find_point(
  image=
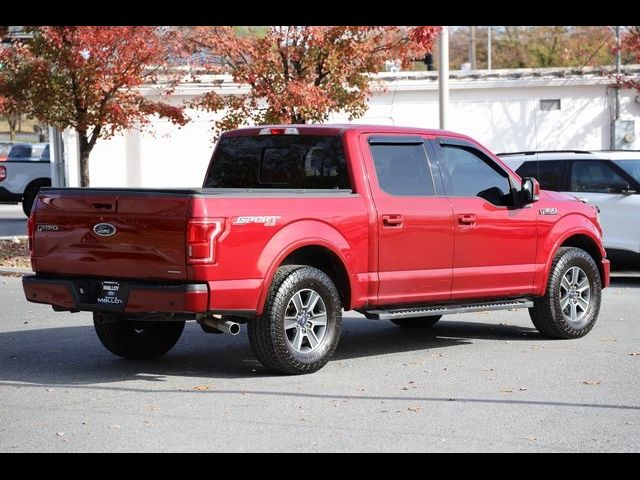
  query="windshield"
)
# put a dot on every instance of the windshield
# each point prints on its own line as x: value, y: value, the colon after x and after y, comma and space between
x: 632, y: 167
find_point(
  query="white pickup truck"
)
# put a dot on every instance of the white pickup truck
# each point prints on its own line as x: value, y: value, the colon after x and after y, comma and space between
x: 26, y: 169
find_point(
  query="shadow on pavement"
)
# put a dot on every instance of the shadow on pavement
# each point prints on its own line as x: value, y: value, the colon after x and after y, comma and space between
x: 73, y: 355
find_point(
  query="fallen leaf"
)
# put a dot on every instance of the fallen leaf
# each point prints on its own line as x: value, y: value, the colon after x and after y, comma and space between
x: 201, y: 388
x: 60, y: 434
x: 405, y: 388
x: 635, y: 354
x: 522, y: 389
x: 609, y: 339
x: 415, y: 408
x: 506, y: 390
x: 591, y: 382
x: 361, y: 389
x: 114, y: 427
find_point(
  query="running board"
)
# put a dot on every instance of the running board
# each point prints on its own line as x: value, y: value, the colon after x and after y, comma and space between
x: 448, y: 309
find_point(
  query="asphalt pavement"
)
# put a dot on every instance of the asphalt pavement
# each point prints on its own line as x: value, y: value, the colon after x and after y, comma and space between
x: 475, y: 382
x: 13, y: 222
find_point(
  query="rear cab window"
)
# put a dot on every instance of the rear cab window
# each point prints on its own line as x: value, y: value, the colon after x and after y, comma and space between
x: 303, y: 162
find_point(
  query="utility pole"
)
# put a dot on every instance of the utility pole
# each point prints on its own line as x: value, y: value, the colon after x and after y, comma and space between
x: 488, y: 48
x: 618, y: 72
x: 472, y: 48
x: 616, y: 94
x: 443, y: 75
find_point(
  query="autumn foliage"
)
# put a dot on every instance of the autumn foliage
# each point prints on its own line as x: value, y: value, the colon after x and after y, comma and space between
x: 15, y: 82
x: 300, y: 74
x: 631, y: 46
x: 87, y: 78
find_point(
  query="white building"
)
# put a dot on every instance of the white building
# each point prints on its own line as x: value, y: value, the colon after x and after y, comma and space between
x: 506, y: 110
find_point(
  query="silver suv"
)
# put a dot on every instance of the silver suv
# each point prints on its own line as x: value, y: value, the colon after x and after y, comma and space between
x: 607, y: 179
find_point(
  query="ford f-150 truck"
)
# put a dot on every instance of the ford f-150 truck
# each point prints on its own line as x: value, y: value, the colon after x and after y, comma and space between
x: 295, y: 223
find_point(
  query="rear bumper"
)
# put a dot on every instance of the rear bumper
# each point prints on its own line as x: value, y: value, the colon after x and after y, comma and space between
x: 136, y: 297
x: 7, y: 196
x: 606, y: 272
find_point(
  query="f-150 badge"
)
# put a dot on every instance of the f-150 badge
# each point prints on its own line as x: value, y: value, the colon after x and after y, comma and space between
x: 266, y: 221
x: 548, y: 211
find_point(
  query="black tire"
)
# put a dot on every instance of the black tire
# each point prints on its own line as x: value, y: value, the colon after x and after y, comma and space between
x: 417, y: 322
x: 273, y: 345
x: 136, y: 340
x: 548, y: 316
x: 30, y: 196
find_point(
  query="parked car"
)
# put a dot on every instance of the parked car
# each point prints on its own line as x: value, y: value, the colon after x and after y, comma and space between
x: 295, y: 223
x: 608, y: 179
x: 26, y: 170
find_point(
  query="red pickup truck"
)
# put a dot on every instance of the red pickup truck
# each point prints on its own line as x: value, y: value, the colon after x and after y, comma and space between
x: 295, y: 223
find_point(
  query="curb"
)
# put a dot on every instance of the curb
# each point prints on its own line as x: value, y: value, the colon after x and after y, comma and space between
x: 19, y: 271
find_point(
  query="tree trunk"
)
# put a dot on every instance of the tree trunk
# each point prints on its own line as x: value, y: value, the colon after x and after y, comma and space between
x: 12, y: 120
x: 85, y: 149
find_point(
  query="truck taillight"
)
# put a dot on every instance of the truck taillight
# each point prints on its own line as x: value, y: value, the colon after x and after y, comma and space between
x: 31, y: 224
x: 201, y: 239
x: 3, y: 173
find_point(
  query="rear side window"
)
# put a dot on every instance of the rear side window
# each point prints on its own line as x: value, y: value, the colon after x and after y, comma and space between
x: 402, y: 170
x: 549, y: 174
x: 279, y: 161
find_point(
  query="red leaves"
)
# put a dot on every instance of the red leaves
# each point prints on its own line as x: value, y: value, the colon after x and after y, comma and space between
x: 87, y: 76
x: 301, y: 74
x: 631, y: 47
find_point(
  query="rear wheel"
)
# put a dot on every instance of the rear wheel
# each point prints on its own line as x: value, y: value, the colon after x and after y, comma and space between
x: 571, y: 304
x: 417, y: 322
x: 300, y: 327
x: 136, y: 340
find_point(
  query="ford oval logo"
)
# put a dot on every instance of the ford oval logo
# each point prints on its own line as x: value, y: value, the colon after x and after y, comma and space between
x: 104, y: 229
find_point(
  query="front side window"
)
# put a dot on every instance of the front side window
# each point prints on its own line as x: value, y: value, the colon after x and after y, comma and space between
x: 473, y: 176
x: 402, y: 169
x: 593, y: 176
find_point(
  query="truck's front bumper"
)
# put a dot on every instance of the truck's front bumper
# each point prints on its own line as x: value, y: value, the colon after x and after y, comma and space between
x: 98, y: 295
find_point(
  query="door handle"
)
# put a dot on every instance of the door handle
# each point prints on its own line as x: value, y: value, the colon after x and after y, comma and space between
x: 394, y: 221
x: 467, y: 219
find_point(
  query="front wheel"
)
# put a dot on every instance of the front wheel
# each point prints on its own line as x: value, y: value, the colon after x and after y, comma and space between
x: 571, y: 304
x: 136, y: 340
x: 299, y: 329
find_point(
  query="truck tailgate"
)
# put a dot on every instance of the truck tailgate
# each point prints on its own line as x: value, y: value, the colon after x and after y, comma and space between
x: 120, y: 234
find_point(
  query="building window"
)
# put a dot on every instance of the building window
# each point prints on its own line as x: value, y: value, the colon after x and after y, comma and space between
x: 550, y: 104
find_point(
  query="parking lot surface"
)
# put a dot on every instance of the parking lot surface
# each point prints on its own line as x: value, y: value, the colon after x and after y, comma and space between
x: 475, y: 382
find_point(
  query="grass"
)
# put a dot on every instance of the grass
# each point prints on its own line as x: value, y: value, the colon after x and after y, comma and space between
x: 14, y: 253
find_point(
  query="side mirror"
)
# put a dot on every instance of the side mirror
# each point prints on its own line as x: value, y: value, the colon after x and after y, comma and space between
x: 529, y: 191
x: 620, y: 187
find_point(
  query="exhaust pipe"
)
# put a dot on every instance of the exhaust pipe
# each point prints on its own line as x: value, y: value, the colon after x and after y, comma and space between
x: 223, y: 326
